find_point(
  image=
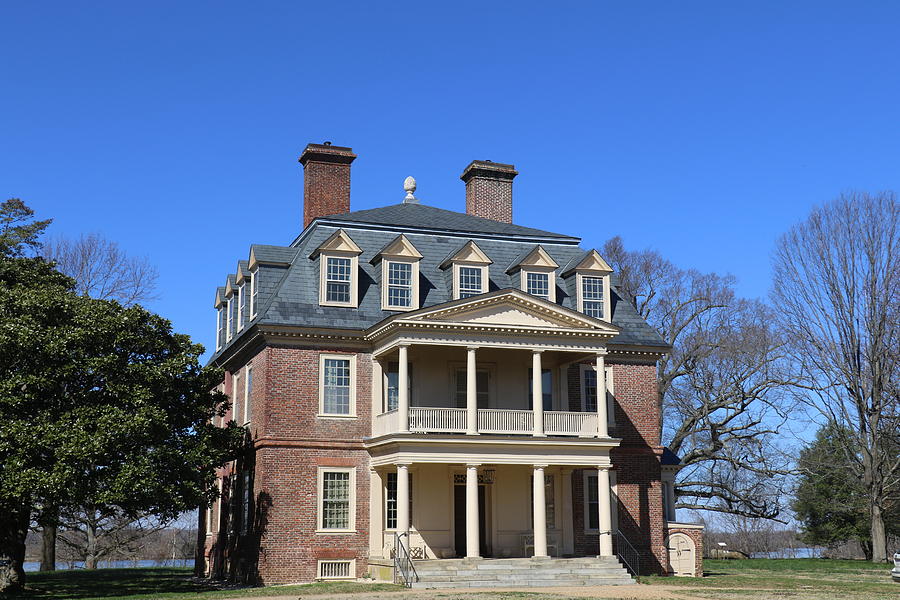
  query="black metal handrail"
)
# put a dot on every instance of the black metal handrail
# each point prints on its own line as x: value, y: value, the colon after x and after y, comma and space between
x: 628, y: 554
x: 404, y: 569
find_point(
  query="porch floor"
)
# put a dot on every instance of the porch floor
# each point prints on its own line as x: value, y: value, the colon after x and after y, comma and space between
x: 520, y: 572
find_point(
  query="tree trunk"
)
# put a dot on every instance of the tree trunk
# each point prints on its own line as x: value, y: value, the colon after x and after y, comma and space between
x: 13, y: 529
x: 48, y: 548
x: 90, y: 531
x: 879, y: 541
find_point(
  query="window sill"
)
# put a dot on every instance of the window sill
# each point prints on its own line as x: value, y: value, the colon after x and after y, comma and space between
x: 341, y: 304
x: 399, y: 308
x: 335, y: 531
x: 330, y: 416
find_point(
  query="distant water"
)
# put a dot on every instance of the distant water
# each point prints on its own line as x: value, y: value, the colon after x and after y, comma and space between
x: 116, y: 564
x: 790, y: 553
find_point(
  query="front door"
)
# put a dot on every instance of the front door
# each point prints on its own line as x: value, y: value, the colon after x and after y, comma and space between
x: 459, y: 520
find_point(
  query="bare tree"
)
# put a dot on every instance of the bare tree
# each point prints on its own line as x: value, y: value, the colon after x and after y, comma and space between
x: 98, y: 533
x: 101, y: 269
x: 721, y: 388
x: 837, y: 291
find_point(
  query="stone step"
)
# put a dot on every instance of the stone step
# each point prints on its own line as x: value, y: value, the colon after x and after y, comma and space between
x: 517, y: 577
x: 518, y: 573
x: 482, y: 583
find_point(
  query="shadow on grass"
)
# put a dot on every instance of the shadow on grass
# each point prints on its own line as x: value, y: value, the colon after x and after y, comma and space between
x: 101, y: 583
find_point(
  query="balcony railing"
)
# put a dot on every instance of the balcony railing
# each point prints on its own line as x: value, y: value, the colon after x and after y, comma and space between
x: 490, y: 420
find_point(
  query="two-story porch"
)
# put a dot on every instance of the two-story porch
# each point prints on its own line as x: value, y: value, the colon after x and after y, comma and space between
x: 474, y: 438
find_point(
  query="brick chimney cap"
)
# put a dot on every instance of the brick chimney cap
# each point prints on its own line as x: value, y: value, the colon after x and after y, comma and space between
x: 327, y: 153
x: 486, y: 168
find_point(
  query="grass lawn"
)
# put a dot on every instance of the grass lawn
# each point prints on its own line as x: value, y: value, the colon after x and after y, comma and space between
x: 802, y: 578
x: 149, y: 584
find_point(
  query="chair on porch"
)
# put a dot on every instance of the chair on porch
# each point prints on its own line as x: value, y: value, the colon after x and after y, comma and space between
x: 528, y: 543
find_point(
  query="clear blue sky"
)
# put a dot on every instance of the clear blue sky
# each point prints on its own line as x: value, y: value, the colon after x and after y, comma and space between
x: 701, y: 129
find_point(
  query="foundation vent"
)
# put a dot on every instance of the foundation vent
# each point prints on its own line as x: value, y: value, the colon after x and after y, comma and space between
x: 336, y: 569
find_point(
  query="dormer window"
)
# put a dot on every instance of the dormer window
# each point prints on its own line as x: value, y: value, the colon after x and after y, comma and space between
x: 220, y: 326
x: 537, y: 273
x: 338, y: 265
x: 470, y: 270
x: 399, y: 274
x: 241, y: 306
x: 254, y: 292
x: 592, y: 287
x: 470, y: 282
x: 229, y: 328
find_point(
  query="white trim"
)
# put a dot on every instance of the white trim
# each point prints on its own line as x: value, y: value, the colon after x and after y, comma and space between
x: 218, y: 528
x: 229, y: 320
x: 354, y: 277
x: 610, y: 391
x: 248, y: 382
x: 579, y: 292
x: 322, y: 358
x: 241, y: 307
x: 414, y: 283
x: 485, y: 285
x: 352, y: 500
x: 254, y: 292
x: 220, y: 327
x: 235, y: 398
x: 551, y: 281
x: 587, y: 474
x: 351, y: 569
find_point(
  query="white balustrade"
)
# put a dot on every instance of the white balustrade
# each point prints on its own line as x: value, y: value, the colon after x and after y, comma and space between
x: 490, y: 420
x: 499, y: 420
x: 583, y: 424
x: 438, y: 420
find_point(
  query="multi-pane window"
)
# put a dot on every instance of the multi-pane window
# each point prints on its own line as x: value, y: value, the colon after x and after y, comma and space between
x: 235, y: 400
x: 546, y: 389
x: 590, y: 390
x: 220, y: 327
x: 245, y: 503
x: 335, y: 500
x: 242, y: 303
x: 230, y: 325
x: 592, y: 296
x: 337, y: 279
x: 336, y: 386
x: 390, y: 502
x: 254, y: 292
x: 470, y: 283
x: 538, y: 284
x: 482, y: 389
x: 400, y: 284
x: 248, y: 389
x: 592, y: 503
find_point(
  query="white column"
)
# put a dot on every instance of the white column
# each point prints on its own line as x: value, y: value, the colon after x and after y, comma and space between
x: 472, y: 511
x: 537, y: 393
x: 376, y: 513
x: 403, y: 388
x: 540, y: 513
x: 403, y: 502
x: 471, y: 392
x: 568, y: 525
x: 602, y: 417
x: 378, y: 406
x: 606, y: 545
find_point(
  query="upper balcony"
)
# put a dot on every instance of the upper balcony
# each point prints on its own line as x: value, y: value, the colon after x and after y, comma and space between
x: 488, y: 420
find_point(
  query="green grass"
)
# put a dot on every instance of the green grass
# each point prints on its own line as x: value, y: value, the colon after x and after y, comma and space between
x: 806, y: 579
x: 168, y: 583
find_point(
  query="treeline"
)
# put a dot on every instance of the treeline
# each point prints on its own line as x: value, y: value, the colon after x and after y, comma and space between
x: 160, y: 545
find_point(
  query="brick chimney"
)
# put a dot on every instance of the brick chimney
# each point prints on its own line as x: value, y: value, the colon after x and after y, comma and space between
x: 489, y: 189
x: 326, y: 180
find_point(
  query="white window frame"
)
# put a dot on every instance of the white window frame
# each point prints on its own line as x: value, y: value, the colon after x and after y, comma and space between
x: 485, y: 285
x: 320, y: 478
x: 248, y: 383
x: 322, y: 358
x: 579, y: 292
x: 350, y: 561
x: 241, y: 307
x: 220, y: 327
x: 229, y: 320
x: 489, y: 368
x: 412, y: 490
x: 254, y: 291
x: 551, y: 282
x: 235, y: 397
x: 610, y: 392
x: 245, y: 502
x: 588, y: 475
x: 414, y: 284
x: 323, y: 281
x: 218, y: 528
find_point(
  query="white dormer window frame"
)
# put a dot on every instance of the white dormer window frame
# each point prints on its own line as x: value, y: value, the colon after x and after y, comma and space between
x: 460, y: 269
x: 584, y: 278
x: 241, y: 307
x: 229, y: 319
x: 220, y: 326
x: 254, y: 292
x: 393, y: 287
x: 540, y: 273
x: 338, y: 269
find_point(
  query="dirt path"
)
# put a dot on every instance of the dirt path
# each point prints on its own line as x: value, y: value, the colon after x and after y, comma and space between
x: 618, y: 592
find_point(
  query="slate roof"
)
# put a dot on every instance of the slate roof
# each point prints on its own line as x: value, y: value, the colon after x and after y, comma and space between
x: 669, y: 458
x: 290, y: 295
x: 422, y: 216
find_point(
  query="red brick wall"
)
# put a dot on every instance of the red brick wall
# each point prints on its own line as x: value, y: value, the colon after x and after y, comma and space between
x: 489, y: 198
x: 326, y: 180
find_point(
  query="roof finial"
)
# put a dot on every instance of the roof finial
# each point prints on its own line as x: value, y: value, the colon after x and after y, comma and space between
x: 409, y: 186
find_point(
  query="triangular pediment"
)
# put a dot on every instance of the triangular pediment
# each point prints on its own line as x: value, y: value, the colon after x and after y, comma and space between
x: 469, y: 253
x: 510, y: 308
x: 537, y: 258
x: 593, y: 262
x: 399, y: 247
x: 338, y: 241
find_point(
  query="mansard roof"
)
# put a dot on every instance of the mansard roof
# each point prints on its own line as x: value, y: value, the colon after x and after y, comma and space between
x: 289, y: 294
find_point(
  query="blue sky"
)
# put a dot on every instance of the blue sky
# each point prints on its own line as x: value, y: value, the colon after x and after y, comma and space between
x: 700, y: 129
